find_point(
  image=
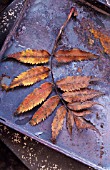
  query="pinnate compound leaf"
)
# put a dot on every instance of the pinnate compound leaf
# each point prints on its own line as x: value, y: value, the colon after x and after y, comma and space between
x: 57, y: 123
x: 30, y: 77
x: 65, y: 56
x: 72, y: 83
x: 35, y: 98
x: 70, y: 122
x: 45, y: 110
x: 81, y: 123
x: 81, y: 96
x: 77, y: 106
x: 31, y: 56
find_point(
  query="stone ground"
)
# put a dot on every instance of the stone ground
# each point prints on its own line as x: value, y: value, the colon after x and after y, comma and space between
x: 8, y: 161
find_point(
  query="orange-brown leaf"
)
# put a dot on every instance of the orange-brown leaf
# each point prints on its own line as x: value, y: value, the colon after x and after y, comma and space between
x: 72, y: 83
x: 30, y: 77
x: 45, y: 110
x: 70, y: 122
x: 81, y: 96
x: 77, y: 106
x: 35, y: 98
x: 31, y: 56
x: 82, y: 113
x: 57, y: 123
x: 81, y: 123
x: 65, y: 56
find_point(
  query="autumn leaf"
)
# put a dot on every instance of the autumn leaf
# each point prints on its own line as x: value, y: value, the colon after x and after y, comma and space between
x: 45, y: 110
x: 31, y: 56
x: 35, y: 98
x: 77, y: 106
x: 72, y: 83
x: 65, y: 56
x: 81, y: 96
x: 82, y: 123
x: 57, y: 123
x: 70, y: 122
x: 82, y: 113
x: 30, y: 77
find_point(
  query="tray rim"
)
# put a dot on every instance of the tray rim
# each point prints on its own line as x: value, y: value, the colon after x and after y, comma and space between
x: 52, y: 146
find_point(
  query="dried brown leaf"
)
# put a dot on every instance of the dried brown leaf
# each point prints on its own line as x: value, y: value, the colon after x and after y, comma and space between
x: 81, y: 123
x: 65, y: 56
x: 45, y: 110
x: 82, y: 113
x: 35, y: 98
x: 31, y: 56
x: 70, y: 122
x: 72, y: 83
x: 80, y: 96
x: 57, y: 123
x: 77, y: 106
x: 30, y: 77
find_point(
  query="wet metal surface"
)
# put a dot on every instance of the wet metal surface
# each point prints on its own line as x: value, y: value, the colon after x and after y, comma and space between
x: 8, y: 17
x: 38, y: 30
x: 8, y: 160
x: 4, y: 4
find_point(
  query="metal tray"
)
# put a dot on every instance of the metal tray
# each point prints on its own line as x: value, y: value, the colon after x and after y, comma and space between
x: 38, y: 30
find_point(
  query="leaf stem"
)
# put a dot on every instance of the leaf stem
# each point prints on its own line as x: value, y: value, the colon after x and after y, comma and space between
x: 73, y: 12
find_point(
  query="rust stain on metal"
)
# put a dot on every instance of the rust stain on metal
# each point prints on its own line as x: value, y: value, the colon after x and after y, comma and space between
x: 104, y: 39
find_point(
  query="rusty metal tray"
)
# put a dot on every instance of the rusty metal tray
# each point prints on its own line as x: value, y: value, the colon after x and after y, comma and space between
x: 38, y: 30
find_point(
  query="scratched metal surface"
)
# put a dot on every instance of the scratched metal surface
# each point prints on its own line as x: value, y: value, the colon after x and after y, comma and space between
x: 38, y: 30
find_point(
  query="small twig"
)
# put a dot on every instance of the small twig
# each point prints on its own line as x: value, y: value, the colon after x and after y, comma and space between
x: 73, y: 12
x: 14, y: 28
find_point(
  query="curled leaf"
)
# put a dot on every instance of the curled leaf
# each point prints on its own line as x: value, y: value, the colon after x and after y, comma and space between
x: 81, y: 96
x: 57, y: 123
x: 70, y: 122
x: 65, y: 56
x: 5, y: 82
x: 30, y: 77
x: 45, y: 110
x: 35, y: 98
x: 77, y: 106
x: 72, y: 83
x: 81, y: 123
x: 31, y: 56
